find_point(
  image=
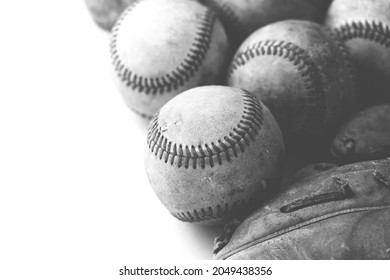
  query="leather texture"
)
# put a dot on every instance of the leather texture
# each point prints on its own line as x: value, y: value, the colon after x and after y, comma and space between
x: 312, y: 170
x: 160, y: 48
x: 243, y: 17
x: 211, y: 151
x: 366, y: 136
x: 364, y: 27
x: 106, y: 12
x: 304, y: 222
x: 301, y: 72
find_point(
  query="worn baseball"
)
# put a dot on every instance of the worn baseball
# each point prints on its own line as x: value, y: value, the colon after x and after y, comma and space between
x: 243, y: 17
x: 365, y: 136
x: 364, y: 26
x: 160, y: 48
x: 211, y: 152
x: 106, y: 12
x: 301, y: 73
x: 343, y: 213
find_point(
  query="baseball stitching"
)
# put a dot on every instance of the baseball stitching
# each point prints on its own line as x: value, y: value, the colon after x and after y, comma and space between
x: 345, y: 53
x: 231, y: 145
x: 301, y: 60
x: 208, y: 214
x: 229, y: 17
x: 371, y: 31
x: 183, y: 72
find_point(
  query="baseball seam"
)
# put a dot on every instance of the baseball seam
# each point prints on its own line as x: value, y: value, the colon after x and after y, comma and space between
x: 310, y: 75
x: 301, y: 225
x: 345, y: 53
x: 208, y: 214
x: 229, y: 18
x: 372, y: 31
x: 231, y: 145
x: 182, y: 73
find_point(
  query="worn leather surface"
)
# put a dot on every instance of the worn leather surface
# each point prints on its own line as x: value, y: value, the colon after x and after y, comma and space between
x: 245, y: 16
x: 106, y: 12
x: 357, y: 227
x: 365, y: 136
x: 300, y: 72
x: 210, y: 188
x: 161, y: 48
x: 364, y: 27
x: 312, y: 170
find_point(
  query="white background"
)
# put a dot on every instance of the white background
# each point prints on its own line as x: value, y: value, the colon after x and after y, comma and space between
x: 73, y: 189
x: 75, y: 202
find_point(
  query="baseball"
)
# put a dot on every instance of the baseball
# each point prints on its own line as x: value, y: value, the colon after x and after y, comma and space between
x: 106, y: 12
x: 364, y: 26
x: 160, y: 48
x: 300, y: 72
x: 243, y: 17
x: 365, y: 136
x: 211, y: 152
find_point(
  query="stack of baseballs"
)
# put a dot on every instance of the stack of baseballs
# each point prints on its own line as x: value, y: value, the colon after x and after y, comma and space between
x: 241, y: 93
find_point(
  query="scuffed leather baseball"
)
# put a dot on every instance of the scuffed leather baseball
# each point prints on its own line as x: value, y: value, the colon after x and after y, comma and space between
x: 160, y: 48
x: 364, y: 27
x: 301, y: 72
x: 106, y: 12
x: 365, y: 136
x: 211, y: 152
